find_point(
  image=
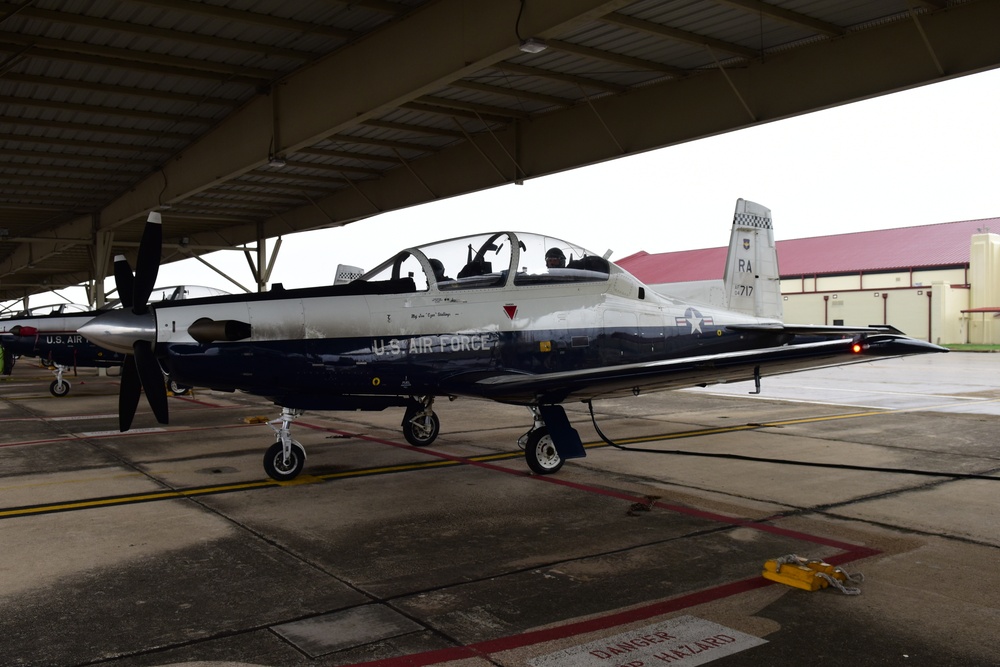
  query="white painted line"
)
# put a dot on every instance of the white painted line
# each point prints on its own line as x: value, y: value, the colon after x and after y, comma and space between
x: 97, y: 434
x: 79, y: 417
x: 686, y: 640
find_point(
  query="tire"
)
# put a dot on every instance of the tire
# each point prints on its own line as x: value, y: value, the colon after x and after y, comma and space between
x: 275, y: 466
x: 540, y: 453
x: 424, y: 431
x: 59, y: 389
x: 177, y: 389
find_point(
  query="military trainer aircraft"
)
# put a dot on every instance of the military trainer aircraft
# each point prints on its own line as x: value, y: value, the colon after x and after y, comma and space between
x: 519, y: 318
x: 52, y: 337
x: 50, y: 334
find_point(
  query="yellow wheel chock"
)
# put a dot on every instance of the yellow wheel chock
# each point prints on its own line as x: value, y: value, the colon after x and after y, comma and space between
x: 809, y: 575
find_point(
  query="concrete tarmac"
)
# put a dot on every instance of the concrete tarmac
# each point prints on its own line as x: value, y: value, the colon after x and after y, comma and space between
x: 168, y: 545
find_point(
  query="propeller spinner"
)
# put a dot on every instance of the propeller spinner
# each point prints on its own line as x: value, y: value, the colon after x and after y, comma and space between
x: 132, y: 330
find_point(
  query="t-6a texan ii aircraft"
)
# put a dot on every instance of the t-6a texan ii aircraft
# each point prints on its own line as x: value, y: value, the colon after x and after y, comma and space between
x: 519, y: 318
x: 50, y: 334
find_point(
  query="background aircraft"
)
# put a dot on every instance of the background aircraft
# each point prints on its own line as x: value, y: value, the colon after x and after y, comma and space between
x: 50, y: 334
x: 515, y: 324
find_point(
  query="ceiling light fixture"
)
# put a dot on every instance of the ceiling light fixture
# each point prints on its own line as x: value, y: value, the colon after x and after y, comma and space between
x: 533, y: 45
x: 276, y: 161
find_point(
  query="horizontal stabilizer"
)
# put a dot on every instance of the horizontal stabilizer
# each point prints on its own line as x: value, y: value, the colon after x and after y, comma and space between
x: 814, y: 329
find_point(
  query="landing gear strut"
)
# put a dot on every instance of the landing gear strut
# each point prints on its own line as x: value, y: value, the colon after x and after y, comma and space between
x: 284, y: 460
x: 59, y: 387
x: 420, y: 424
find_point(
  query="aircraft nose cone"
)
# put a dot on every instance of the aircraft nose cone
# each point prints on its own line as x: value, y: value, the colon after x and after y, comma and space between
x: 118, y: 330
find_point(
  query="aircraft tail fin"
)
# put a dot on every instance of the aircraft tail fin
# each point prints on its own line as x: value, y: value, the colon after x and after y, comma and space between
x: 751, y: 278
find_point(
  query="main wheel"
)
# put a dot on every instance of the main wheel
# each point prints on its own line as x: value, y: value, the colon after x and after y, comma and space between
x: 540, y: 453
x: 58, y: 388
x: 420, y: 431
x: 277, y: 468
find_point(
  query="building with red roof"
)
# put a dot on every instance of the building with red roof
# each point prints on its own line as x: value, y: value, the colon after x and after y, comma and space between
x: 938, y: 282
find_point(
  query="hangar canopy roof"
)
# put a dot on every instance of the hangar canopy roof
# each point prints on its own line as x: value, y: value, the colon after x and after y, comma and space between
x: 248, y: 119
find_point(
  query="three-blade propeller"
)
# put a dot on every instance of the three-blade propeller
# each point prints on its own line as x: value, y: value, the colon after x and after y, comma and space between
x: 141, y: 371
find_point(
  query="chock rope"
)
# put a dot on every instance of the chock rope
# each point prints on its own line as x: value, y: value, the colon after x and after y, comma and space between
x: 759, y: 459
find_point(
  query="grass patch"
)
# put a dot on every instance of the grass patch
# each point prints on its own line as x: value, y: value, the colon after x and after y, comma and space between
x: 973, y: 347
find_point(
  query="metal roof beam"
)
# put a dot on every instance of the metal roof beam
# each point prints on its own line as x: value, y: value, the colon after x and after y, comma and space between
x: 76, y: 157
x: 310, y: 106
x: 382, y: 143
x: 867, y: 63
x: 124, y: 27
x: 617, y: 58
x: 46, y: 47
x: 583, y: 82
x: 89, y: 127
x: 206, y: 9
x: 445, y: 106
x: 34, y: 139
x: 787, y: 16
x: 131, y: 91
x: 415, y: 129
x: 349, y: 155
x: 466, y: 110
x: 105, y: 111
x: 659, y: 30
x: 514, y: 92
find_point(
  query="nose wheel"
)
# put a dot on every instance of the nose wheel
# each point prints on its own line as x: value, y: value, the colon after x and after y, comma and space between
x: 282, y: 467
x: 60, y: 386
x: 283, y: 461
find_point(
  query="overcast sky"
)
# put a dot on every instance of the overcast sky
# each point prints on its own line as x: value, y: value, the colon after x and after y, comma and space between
x: 918, y: 157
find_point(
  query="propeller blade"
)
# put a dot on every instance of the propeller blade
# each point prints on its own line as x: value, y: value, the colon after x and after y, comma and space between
x: 124, y: 280
x: 128, y: 395
x: 147, y: 265
x: 152, y: 379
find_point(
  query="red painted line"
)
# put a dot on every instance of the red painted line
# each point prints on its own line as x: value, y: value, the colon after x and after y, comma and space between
x: 850, y: 552
x: 126, y: 434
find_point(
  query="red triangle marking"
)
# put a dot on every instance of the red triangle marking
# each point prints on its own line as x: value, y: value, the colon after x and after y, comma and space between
x: 511, y: 310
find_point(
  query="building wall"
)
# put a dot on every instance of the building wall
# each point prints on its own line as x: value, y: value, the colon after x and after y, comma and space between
x: 926, y: 304
x: 873, y: 281
x: 984, y: 275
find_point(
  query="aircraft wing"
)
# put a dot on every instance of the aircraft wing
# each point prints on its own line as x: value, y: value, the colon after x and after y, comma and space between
x: 610, y: 381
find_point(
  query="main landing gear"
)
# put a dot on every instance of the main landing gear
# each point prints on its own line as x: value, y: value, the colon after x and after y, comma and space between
x: 285, y: 459
x: 547, y: 445
x: 550, y: 441
x: 420, y: 424
x: 539, y: 450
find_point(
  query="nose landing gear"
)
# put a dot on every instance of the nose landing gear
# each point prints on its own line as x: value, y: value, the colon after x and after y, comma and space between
x: 60, y: 386
x: 284, y: 460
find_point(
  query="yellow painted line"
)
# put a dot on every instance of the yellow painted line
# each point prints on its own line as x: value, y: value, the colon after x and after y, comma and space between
x: 112, y: 501
x: 741, y: 427
x: 426, y: 465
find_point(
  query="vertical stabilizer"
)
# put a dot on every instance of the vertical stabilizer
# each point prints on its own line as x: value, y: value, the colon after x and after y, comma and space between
x: 751, y: 278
